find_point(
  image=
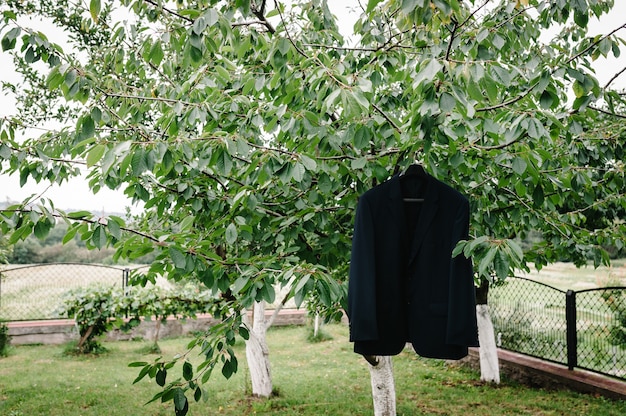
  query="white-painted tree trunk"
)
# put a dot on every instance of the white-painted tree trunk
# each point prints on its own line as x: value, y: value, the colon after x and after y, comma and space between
x: 316, y: 325
x: 489, y: 367
x: 383, y: 387
x: 257, y: 353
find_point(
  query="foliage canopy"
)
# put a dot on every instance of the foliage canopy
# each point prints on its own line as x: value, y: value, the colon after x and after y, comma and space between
x: 247, y: 129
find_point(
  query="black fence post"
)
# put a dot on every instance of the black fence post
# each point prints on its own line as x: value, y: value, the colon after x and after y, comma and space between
x: 570, y: 322
x: 125, y: 275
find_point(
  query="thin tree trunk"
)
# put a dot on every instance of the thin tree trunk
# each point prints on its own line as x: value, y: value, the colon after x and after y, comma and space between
x: 157, y: 328
x: 257, y: 350
x: 383, y: 387
x: 84, y: 338
x: 489, y: 365
x: 316, y: 325
x: 257, y: 353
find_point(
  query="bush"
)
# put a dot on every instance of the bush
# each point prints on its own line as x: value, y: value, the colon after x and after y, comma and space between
x: 98, y: 309
x: 95, y: 309
x: 5, y: 339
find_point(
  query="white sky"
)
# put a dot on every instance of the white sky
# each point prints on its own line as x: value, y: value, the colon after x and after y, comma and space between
x: 76, y: 195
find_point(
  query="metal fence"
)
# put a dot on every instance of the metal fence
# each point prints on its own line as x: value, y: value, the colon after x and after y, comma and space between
x: 35, y: 292
x: 584, y: 329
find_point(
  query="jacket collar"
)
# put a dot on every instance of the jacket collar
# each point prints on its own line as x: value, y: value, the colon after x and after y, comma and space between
x: 413, y: 238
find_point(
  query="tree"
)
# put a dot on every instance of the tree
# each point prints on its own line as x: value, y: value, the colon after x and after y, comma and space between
x: 249, y: 128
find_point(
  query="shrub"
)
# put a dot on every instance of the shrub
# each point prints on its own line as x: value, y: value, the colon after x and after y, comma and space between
x: 5, y: 339
x: 94, y: 309
x: 98, y: 309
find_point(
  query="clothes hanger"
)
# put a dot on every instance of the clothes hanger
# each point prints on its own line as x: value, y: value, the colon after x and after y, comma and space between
x: 414, y: 170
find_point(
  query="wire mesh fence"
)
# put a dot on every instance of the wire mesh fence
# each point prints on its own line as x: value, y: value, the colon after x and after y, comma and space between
x: 601, y: 330
x: 584, y: 329
x: 35, y: 292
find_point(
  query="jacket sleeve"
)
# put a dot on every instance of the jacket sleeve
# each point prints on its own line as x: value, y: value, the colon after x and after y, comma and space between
x: 362, y: 280
x: 462, y: 328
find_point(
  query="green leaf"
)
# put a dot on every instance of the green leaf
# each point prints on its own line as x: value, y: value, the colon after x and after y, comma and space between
x: 99, y: 236
x: 231, y: 234
x: 579, y: 89
x: 284, y: 45
x: 516, y: 250
x: 41, y: 229
x: 362, y: 137
x: 486, y: 261
x: 187, y: 222
x: 501, y: 265
x: 114, y: 229
x: 138, y: 364
x: 308, y: 163
x: 181, y: 406
x: 230, y: 367
x: 519, y: 165
x: 223, y: 162
x: 358, y: 163
x: 469, y: 248
x: 138, y: 162
x: 546, y: 100
x: 144, y: 372
x: 197, y: 394
x: 94, y: 9
x: 446, y: 102
x: 581, y: 18
x: 88, y: 127
x: 243, y: 331
x: 161, y: 376
x: 211, y: 16
x: 156, y: 54
x: 458, y: 249
x: 240, y: 283
x: 9, y: 40
x: 69, y: 236
x: 428, y: 72
x: 187, y: 371
x: 178, y: 257
x: 409, y: 5
x: 298, y: 172
x: 371, y: 4
x: 79, y: 215
x: 95, y: 154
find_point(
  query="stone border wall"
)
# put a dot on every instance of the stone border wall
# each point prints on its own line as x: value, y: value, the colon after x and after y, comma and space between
x: 63, y: 331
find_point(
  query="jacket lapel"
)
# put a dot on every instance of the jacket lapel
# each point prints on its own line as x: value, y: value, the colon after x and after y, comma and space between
x: 426, y: 216
x: 396, y: 208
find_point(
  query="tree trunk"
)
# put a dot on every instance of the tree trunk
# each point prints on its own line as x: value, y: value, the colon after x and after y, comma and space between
x: 316, y: 325
x: 257, y: 353
x: 489, y: 367
x: 383, y: 387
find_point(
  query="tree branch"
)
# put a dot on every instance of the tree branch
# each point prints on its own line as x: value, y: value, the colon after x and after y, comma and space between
x: 172, y: 12
x: 277, y: 310
x: 594, y: 44
x: 614, y: 77
x: 600, y: 110
x: 260, y: 14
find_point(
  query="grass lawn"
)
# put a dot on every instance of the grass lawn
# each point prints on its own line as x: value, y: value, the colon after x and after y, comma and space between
x: 324, y: 378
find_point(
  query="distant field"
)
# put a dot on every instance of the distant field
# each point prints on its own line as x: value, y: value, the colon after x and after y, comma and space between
x: 566, y: 276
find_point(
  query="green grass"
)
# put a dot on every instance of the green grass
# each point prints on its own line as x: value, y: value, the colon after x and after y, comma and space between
x: 323, y: 378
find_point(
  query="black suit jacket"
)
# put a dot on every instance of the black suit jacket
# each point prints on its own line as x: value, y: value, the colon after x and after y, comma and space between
x: 404, y: 284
